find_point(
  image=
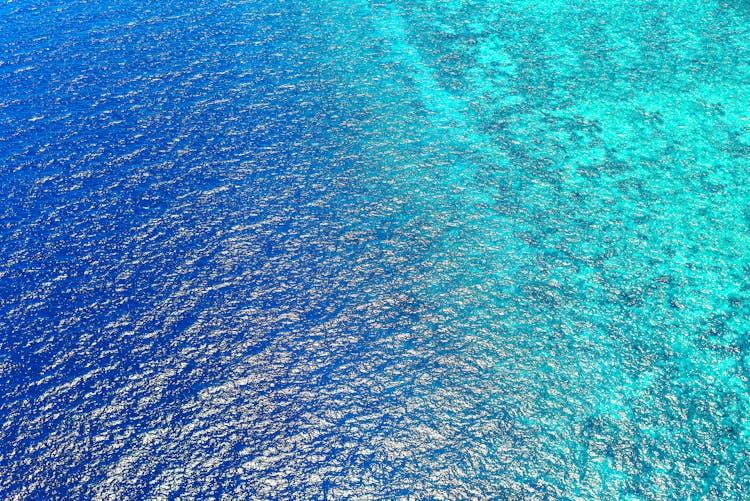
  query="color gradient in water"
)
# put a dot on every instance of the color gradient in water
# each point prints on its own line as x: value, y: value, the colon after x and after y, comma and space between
x: 375, y: 250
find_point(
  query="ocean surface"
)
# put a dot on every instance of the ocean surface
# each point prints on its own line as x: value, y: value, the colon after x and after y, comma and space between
x: 480, y: 249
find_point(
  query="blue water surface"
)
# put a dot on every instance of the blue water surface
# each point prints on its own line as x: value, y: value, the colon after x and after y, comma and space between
x: 356, y: 250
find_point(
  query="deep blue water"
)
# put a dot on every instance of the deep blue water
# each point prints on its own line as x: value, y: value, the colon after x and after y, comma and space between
x: 355, y: 250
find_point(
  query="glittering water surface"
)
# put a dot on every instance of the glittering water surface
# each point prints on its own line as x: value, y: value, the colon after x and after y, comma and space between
x: 404, y: 249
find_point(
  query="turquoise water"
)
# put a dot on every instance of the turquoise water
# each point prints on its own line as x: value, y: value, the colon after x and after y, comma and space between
x: 582, y: 171
x: 375, y: 250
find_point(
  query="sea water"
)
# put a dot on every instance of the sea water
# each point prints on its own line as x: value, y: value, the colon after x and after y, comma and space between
x: 374, y: 250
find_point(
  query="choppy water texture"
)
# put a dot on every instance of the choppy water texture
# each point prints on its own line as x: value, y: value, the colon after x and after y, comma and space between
x: 348, y: 249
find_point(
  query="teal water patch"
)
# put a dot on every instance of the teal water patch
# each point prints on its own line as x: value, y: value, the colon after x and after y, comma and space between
x: 593, y: 252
